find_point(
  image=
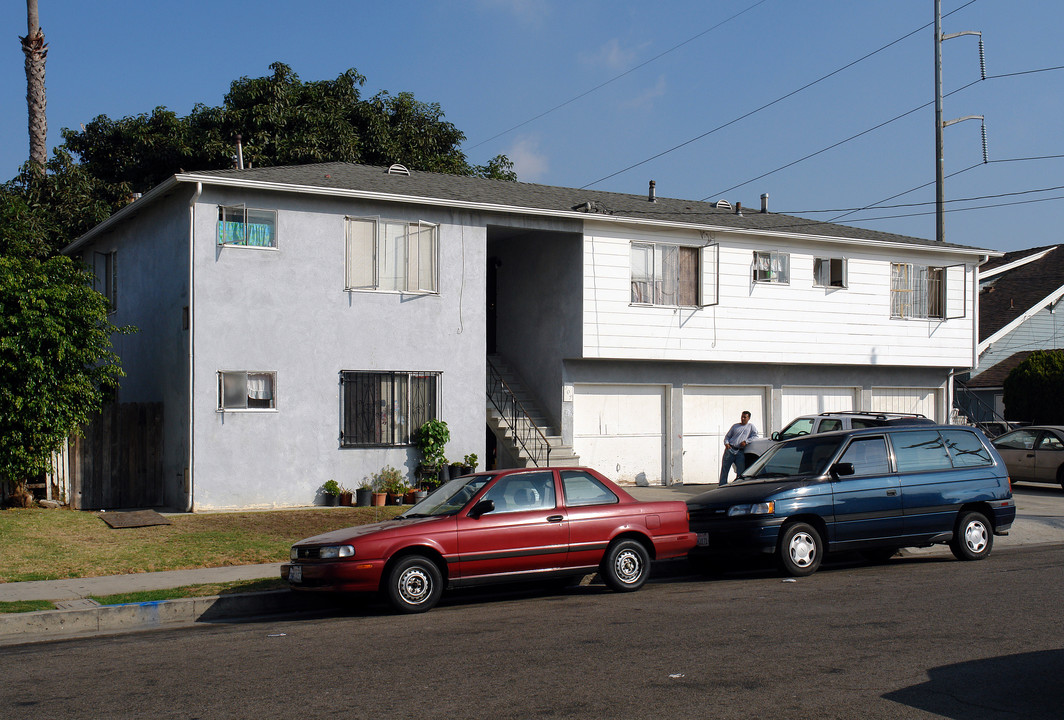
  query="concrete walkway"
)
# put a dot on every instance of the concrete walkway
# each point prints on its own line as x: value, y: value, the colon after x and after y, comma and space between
x: 1040, y: 521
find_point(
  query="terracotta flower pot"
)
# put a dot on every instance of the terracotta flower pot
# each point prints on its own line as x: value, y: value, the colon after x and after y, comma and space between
x: 379, y: 498
x: 345, y: 498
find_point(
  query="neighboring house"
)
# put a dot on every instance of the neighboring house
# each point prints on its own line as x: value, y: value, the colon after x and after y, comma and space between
x: 298, y: 323
x: 1018, y: 297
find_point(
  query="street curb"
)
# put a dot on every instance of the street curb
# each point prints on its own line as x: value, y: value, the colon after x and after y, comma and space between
x: 45, y: 625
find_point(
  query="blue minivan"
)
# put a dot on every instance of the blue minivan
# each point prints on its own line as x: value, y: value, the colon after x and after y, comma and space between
x: 874, y: 490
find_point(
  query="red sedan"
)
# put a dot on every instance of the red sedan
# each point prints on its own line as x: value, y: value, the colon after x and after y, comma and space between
x: 499, y: 526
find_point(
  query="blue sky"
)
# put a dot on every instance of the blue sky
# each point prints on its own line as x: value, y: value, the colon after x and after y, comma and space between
x: 633, y: 80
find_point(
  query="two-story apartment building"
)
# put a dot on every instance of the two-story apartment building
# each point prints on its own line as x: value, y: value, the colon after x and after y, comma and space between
x: 298, y: 323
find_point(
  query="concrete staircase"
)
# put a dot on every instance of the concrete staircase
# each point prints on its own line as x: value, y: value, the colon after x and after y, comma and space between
x: 520, y: 426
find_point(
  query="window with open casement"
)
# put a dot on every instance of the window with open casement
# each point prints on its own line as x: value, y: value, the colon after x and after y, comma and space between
x: 241, y: 226
x: 673, y: 275
x: 392, y: 255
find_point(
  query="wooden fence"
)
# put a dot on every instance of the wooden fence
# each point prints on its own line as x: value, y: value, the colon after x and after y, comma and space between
x: 118, y: 462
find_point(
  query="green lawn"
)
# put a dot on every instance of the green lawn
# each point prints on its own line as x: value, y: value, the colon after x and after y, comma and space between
x: 39, y: 544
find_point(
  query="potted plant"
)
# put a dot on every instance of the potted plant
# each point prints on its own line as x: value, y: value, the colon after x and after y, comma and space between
x: 330, y: 489
x: 389, y: 481
x: 379, y: 483
x: 364, y: 493
x: 345, y: 496
x: 431, y: 439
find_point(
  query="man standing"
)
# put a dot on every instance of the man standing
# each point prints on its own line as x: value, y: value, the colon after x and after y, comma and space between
x: 734, y: 442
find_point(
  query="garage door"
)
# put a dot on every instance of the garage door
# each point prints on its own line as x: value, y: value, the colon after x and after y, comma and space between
x: 906, y: 400
x: 620, y: 430
x: 708, y: 412
x: 812, y: 400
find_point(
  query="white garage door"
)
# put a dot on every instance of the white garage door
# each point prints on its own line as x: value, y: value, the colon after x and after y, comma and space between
x: 906, y: 400
x: 813, y: 400
x: 708, y: 412
x: 620, y: 430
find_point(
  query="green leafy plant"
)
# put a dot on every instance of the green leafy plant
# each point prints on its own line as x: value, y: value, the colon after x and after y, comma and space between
x: 431, y: 440
x: 470, y: 461
x: 331, y: 487
x: 1034, y: 387
x: 389, y: 479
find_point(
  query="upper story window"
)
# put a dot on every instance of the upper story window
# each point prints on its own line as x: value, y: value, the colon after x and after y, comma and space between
x: 392, y: 255
x: 664, y: 274
x: 105, y: 276
x: 829, y: 272
x: 385, y: 408
x: 772, y: 267
x: 246, y: 390
x: 917, y: 291
x: 243, y: 226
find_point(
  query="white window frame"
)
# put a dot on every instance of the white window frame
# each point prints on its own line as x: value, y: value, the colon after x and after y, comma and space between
x: 918, y: 292
x: 647, y: 290
x: 241, y: 214
x: 829, y: 272
x: 772, y: 266
x: 241, y: 382
x: 419, y: 273
x: 105, y: 277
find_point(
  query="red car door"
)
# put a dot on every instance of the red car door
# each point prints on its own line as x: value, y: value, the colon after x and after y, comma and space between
x: 594, y: 513
x: 526, y: 532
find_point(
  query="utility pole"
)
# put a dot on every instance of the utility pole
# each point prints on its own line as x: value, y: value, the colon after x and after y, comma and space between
x: 940, y: 125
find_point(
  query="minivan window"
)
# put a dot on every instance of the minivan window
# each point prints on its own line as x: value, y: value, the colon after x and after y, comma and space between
x: 856, y: 423
x: 868, y: 455
x: 829, y: 424
x: 965, y: 449
x: 920, y: 451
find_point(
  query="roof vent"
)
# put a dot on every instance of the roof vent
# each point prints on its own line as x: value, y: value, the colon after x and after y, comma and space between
x: 722, y: 204
x: 764, y: 202
x: 653, y: 195
x: 398, y: 169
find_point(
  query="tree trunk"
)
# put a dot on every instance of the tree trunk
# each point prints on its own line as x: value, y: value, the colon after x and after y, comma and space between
x: 36, y: 50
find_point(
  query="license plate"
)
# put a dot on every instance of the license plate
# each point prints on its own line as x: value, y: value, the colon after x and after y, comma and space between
x: 703, y: 539
x: 295, y: 574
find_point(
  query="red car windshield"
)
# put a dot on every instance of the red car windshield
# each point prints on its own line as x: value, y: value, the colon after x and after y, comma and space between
x: 450, y: 498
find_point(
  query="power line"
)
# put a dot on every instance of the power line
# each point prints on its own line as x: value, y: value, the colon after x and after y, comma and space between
x: 618, y: 77
x: 770, y: 104
x: 875, y: 127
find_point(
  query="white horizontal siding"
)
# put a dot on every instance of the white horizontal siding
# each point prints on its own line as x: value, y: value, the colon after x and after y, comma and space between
x: 768, y: 322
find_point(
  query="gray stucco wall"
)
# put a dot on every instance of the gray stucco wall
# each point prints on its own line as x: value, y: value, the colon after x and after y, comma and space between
x: 285, y: 310
x: 152, y: 289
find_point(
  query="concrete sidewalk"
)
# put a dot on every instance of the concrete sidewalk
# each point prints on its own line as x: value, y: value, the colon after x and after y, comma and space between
x: 1041, y: 523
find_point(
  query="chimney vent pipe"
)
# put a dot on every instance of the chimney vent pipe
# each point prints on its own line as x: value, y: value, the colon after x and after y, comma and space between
x: 653, y: 196
x: 764, y: 202
x: 739, y: 209
x: 239, y: 153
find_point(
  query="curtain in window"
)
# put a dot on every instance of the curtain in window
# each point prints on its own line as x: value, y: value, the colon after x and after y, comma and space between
x: 260, y: 386
x: 687, y: 291
x: 641, y: 260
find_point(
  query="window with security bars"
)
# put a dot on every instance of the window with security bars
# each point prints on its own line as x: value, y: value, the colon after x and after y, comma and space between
x: 917, y: 291
x: 386, y: 408
x: 664, y: 274
x: 392, y: 255
x: 242, y: 226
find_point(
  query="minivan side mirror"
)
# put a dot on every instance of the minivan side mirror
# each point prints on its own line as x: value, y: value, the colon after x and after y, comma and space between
x: 839, y: 469
x: 776, y: 436
x: 482, y: 507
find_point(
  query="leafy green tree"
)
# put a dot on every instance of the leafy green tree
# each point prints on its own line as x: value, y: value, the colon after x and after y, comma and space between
x: 1034, y: 388
x: 282, y: 121
x: 56, y: 363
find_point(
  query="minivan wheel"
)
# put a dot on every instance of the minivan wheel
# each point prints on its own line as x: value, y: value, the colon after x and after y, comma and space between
x: 626, y: 566
x: 800, y: 549
x: 973, y: 537
x: 414, y: 585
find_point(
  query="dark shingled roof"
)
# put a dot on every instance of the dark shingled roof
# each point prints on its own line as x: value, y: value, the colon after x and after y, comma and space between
x: 1011, y: 257
x: 1007, y: 296
x: 994, y: 376
x: 458, y: 188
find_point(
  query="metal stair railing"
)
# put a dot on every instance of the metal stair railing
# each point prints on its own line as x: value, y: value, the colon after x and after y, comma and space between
x: 974, y: 401
x: 524, y: 430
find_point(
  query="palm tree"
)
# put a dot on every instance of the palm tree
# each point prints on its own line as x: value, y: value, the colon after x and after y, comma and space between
x: 36, y: 51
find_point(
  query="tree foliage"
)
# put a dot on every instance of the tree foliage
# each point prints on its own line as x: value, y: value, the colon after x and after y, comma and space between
x: 282, y: 121
x: 1034, y: 387
x: 56, y: 362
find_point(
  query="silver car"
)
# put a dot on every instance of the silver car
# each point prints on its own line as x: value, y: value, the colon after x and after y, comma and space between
x: 1034, y: 454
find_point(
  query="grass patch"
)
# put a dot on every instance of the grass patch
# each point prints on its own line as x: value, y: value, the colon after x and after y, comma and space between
x: 208, y: 590
x: 22, y: 606
x: 40, y: 544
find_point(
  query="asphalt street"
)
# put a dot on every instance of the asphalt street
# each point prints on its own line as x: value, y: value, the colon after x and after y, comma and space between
x: 919, y: 637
